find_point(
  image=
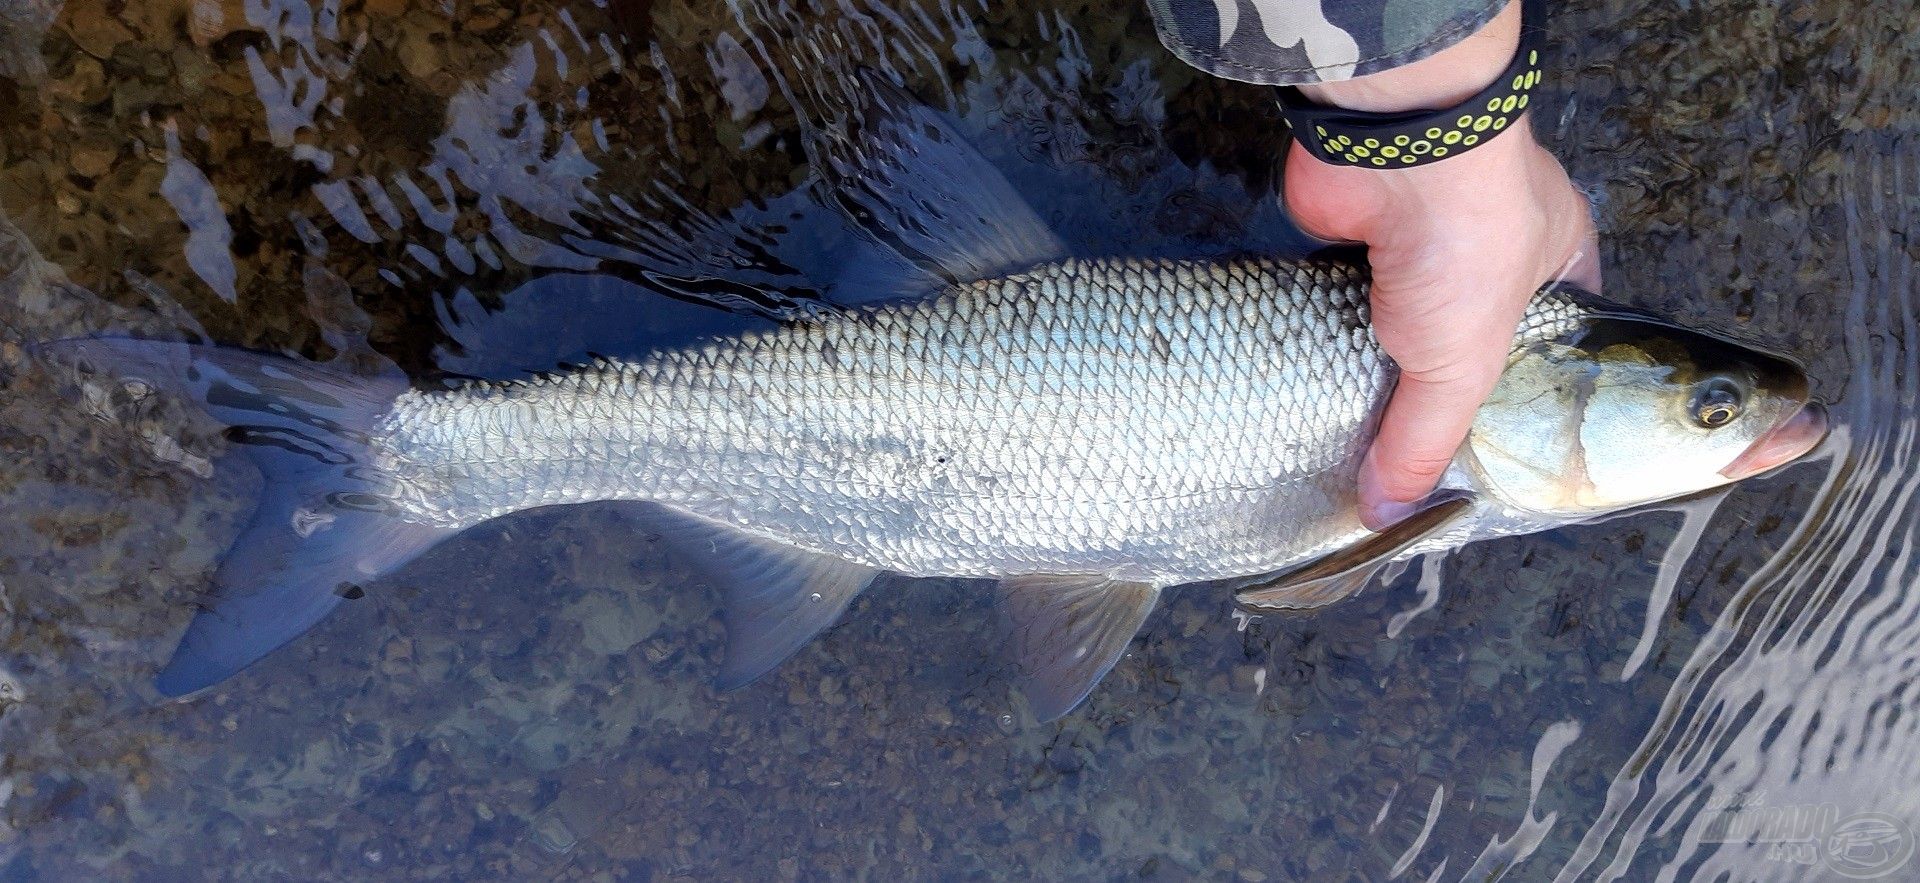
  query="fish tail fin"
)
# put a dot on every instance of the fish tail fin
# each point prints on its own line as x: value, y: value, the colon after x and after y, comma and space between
x: 323, y: 523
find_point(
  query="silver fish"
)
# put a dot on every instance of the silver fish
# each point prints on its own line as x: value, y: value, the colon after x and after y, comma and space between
x: 1084, y: 432
x: 1088, y: 432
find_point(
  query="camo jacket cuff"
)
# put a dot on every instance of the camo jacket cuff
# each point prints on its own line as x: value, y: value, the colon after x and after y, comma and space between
x: 1287, y: 42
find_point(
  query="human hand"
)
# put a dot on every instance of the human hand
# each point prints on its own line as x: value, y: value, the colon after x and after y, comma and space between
x: 1457, y: 249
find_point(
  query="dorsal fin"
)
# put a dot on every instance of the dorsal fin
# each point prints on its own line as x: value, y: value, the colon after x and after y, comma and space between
x: 1066, y: 632
x: 905, y: 177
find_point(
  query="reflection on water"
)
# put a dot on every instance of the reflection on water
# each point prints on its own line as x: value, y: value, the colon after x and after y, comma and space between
x: 373, y: 181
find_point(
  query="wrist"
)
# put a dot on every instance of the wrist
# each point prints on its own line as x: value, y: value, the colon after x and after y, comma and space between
x: 1499, y: 163
x: 1443, y: 79
x: 1479, y: 189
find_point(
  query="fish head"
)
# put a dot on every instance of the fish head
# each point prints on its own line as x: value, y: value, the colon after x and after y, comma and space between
x: 1626, y: 411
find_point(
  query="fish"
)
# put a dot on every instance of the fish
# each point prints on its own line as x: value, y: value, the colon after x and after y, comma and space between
x: 1083, y: 432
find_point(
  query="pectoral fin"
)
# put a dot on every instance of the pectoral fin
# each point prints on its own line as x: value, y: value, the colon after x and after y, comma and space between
x: 1342, y: 573
x: 776, y: 597
x: 1067, y: 631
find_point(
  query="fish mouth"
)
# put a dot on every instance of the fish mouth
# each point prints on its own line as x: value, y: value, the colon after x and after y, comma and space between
x: 1793, y: 436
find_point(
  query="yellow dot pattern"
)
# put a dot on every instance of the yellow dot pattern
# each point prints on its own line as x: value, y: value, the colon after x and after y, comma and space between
x: 1436, y: 141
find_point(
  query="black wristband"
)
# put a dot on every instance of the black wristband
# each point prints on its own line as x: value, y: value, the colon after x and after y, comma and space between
x: 1411, y: 138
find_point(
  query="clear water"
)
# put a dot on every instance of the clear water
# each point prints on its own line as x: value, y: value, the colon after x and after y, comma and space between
x: 372, y: 181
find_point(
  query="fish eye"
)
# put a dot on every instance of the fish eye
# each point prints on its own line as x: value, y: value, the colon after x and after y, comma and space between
x: 1715, y: 403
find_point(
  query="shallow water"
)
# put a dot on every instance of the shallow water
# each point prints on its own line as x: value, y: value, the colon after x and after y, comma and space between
x: 372, y: 181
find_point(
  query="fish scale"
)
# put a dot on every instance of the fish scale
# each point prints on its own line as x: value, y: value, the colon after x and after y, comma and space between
x: 1165, y: 421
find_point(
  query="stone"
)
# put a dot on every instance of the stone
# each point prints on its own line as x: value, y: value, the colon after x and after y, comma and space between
x: 96, y: 32
x: 209, y: 21
x: 92, y: 162
x: 85, y: 84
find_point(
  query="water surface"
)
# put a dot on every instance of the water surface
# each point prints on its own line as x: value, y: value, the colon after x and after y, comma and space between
x: 375, y: 181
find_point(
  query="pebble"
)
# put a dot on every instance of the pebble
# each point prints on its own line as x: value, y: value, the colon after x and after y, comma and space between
x: 92, y: 163
x: 95, y: 31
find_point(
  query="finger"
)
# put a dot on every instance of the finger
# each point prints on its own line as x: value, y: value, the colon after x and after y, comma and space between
x: 1424, y: 423
x: 1432, y: 410
x: 1447, y: 368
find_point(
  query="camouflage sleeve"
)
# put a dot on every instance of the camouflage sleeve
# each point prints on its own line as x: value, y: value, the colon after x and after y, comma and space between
x: 1286, y: 42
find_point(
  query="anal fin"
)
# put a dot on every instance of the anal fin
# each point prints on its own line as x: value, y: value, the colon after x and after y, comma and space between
x: 1067, y: 631
x: 1334, y: 577
x: 775, y: 597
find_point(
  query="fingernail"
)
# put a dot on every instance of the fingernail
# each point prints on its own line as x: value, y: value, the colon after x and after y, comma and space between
x: 1377, y: 511
x: 1386, y: 513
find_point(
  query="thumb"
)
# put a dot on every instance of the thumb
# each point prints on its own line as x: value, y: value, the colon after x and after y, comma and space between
x: 1422, y: 428
x: 1450, y: 334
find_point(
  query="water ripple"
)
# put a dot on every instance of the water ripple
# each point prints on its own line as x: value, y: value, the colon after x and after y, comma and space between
x: 1802, y: 695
